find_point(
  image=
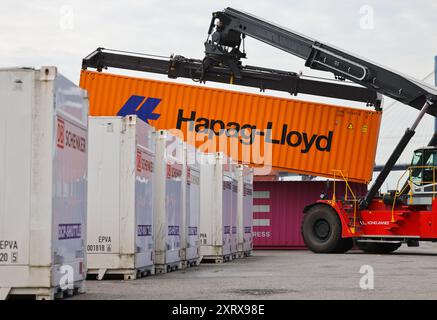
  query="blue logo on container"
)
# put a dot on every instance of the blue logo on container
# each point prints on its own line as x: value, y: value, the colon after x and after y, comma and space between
x: 144, y: 230
x: 173, y: 230
x: 144, y: 111
x: 192, y: 231
x: 69, y: 231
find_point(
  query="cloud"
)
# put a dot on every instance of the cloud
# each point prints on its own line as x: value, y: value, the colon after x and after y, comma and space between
x: 404, y: 36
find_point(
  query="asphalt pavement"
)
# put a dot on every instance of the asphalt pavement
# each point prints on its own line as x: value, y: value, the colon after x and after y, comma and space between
x: 409, y: 273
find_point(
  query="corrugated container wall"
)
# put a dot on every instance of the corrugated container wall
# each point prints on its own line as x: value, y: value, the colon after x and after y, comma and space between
x: 120, y: 196
x: 43, y: 181
x: 168, y: 201
x: 234, y: 211
x: 245, y: 210
x: 215, y: 207
x: 278, y: 209
x: 191, y: 216
x: 303, y: 137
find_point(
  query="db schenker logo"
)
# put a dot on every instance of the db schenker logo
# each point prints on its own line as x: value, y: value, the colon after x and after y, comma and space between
x: 61, y: 134
x: 67, y: 138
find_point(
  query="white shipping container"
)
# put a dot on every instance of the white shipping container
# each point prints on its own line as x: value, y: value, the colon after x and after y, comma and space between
x: 191, y: 214
x: 43, y: 174
x: 234, y: 211
x: 245, y: 210
x: 168, y: 205
x: 120, y: 197
x: 215, y: 207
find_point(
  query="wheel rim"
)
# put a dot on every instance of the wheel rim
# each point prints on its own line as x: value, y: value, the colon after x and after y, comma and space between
x: 322, y: 229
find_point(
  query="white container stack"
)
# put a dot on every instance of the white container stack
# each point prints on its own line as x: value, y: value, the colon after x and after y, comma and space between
x: 234, y: 211
x: 120, y: 197
x: 191, y: 215
x: 245, y: 210
x: 168, y: 204
x: 43, y: 152
x: 215, y: 207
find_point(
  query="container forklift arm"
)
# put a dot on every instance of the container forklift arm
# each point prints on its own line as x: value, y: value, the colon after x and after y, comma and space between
x: 249, y: 76
x: 229, y: 27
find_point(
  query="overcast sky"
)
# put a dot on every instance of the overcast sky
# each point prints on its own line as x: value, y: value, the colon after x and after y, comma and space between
x: 61, y: 33
x: 401, y: 34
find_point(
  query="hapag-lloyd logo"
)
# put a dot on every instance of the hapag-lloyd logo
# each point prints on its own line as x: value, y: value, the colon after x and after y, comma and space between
x: 143, y: 107
x: 246, y: 132
x: 66, y: 138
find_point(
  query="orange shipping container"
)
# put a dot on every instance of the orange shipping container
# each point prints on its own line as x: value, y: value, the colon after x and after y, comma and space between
x: 302, y: 137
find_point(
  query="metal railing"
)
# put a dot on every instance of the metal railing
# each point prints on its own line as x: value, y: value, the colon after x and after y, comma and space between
x: 410, y: 185
x: 347, y: 188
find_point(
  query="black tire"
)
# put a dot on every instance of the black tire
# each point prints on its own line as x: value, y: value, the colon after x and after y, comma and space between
x: 321, y: 231
x: 378, y: 248
x: 345, y: 246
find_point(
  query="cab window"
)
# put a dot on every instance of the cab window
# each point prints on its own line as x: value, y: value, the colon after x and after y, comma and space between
x: 426, y: 163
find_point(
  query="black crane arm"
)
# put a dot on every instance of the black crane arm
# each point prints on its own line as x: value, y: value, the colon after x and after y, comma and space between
x: 250, y: 76
x: 229, y: 27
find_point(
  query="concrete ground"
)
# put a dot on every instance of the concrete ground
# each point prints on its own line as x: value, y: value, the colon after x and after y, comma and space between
x: 410, y: 273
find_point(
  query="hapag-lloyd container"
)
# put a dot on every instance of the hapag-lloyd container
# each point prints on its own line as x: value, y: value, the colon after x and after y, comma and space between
x: 245, y: 210
x: 304, y: 137
x: 43, y: 174
x: 120, y: 197
x: 278, y: 210
x: 168, y: 204
x: 215, y: 207
x: 190, y: 241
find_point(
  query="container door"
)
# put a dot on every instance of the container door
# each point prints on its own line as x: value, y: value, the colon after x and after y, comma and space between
x: 16, y: 90
x: 227, y: 212
x: 234, y: 215
x: 145, y: 160
x: 193, y: 211
x: 247, y: 209
x: 103, y: 227
x: 173, y: 208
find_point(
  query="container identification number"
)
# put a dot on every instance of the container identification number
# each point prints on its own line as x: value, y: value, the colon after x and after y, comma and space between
x: 95, y: 247
x: 105, y: 245
x: 9, y: 257
x: 9, y: 253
